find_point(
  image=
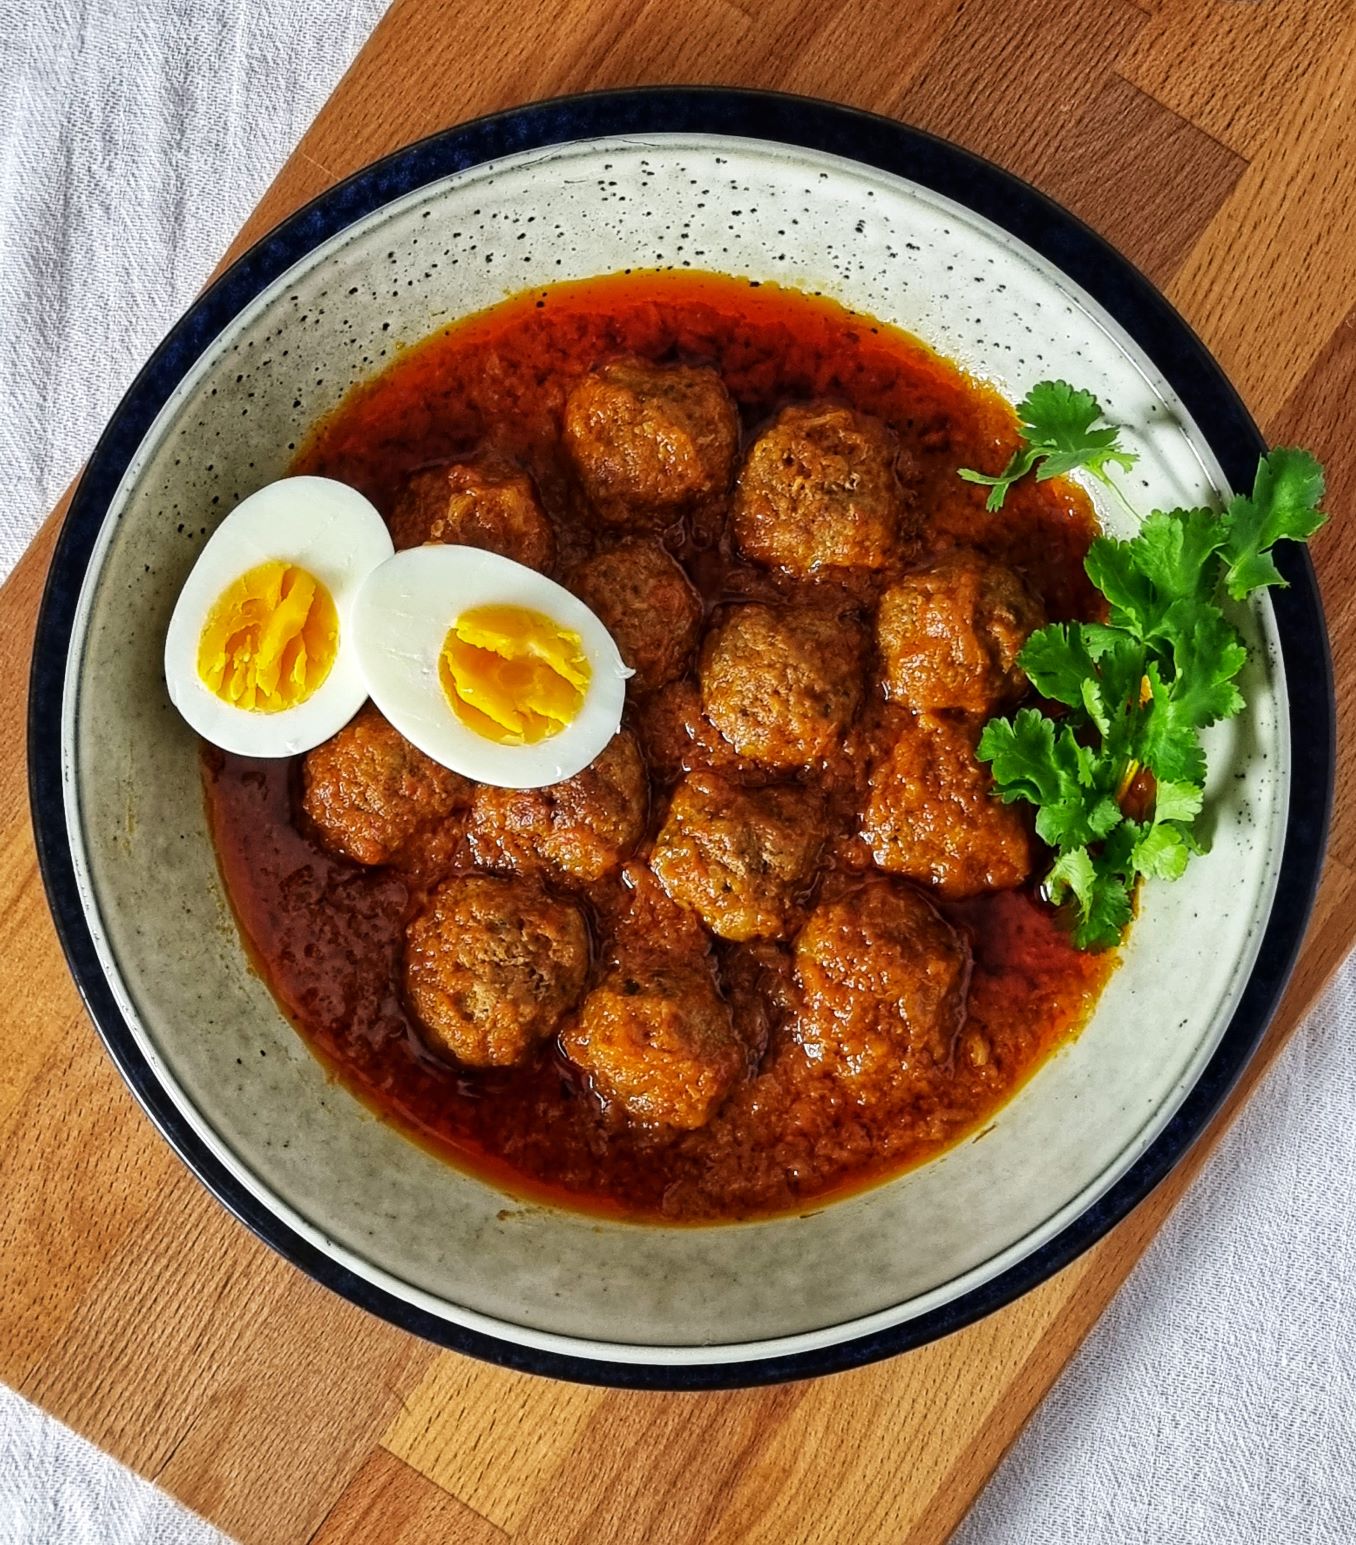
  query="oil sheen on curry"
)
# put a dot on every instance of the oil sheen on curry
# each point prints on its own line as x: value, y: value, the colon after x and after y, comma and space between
x: 779, y: 940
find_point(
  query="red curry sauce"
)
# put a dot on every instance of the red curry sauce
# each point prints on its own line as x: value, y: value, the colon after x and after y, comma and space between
x: 327, y: 935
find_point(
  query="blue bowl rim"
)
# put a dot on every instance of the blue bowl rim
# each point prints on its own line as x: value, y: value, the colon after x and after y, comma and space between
x: 785, y: 120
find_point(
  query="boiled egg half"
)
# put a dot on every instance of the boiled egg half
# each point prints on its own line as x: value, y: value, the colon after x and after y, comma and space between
x: 260, y: 656
x: 487, y: 666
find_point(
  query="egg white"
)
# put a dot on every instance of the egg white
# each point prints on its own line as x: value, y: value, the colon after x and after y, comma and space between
x: 322, y: 526
x: 400, y: 622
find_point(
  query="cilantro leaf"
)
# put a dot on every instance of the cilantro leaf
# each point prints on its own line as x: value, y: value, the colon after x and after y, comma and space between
x: 1169, y: 746
x: 1100, y: 883
x: 1112, y: 567
x: 1177, y: 801
x: 1207, y: 654
x: 1101, y: 898
x: 1072, y: 871
x: 1101, y: 817
x: 1019, y: 464
x: 1166, y: 564
x: 1285, y: 494
x: 1032, y: 761
x: 1061, y: 434
x: 1057, y: 662
x: 1136, y: 690
x: 1021, y: 751
x: 1162, y: 852
x: 1095, y: 669
x: 1114, y: 696
x: 1059, y: 419
x: 1099, y: 638
x: 1172, y: 551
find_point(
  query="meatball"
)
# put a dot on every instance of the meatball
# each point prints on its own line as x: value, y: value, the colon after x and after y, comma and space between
x: 656, y: 1039
x: 781, y: 686
x: 677, y: 736
x: 949, y: 635
x: 488, y: 503
x: 931, y: 813
x: 647, y: 603
x: 883, y: 979
x: 735, y: 856
x: 820, y: 490
x: 581, y: 828
x: 373, y: 797
x: 491, y: 966
x: 651, y: 443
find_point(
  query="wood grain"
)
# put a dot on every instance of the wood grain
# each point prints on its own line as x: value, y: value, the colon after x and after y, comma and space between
x: 389, y: 1502
x: 1236, y: 71
x: 1213, y: 141
x: 1150, y: 179
x: 1283, y: 245
x: 965, y: 91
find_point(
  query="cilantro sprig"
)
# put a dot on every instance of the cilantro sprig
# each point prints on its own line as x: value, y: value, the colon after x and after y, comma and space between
x: 1061, y: 433
x: 1135, y: 692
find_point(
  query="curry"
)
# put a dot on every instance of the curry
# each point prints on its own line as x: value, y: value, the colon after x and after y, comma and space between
x: 782, y: 942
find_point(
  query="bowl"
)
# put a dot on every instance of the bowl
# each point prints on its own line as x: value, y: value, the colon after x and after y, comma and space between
x: 891, y: 222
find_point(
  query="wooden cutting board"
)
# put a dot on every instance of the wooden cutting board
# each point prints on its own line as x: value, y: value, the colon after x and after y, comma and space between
x: 1216, y: 145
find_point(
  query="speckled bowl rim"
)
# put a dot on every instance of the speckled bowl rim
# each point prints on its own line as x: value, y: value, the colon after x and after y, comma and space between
x: 786, y: 120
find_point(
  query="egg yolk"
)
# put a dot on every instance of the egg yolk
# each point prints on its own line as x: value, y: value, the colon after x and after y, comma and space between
x: 513, y: 675
x: 269, y: 639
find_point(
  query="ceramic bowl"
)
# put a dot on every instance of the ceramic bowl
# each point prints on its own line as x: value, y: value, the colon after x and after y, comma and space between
x: 888, y: 221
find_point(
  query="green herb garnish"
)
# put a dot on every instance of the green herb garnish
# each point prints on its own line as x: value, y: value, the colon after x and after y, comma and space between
x: 1138, y: 689
x: 1058, y: 426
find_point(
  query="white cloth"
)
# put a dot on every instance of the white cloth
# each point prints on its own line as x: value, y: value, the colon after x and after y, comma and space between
x: 1216, y: 1402
x: 57, y: 1489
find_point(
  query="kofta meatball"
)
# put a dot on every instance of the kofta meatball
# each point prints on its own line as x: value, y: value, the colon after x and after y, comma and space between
x: 820, y: 491
x: 781, y: 685
x: 676, y: 735
x: 645, y: 600
x: 949, y: 635
x: 373, y: 797
x: 656, y: 1038
x: 651, y: 443
x: 883, y: 979
x: 736, y: 856
x: 491, y: 966
x: 580, y: 829
x: 488, y: 502
x: 931, y: 812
